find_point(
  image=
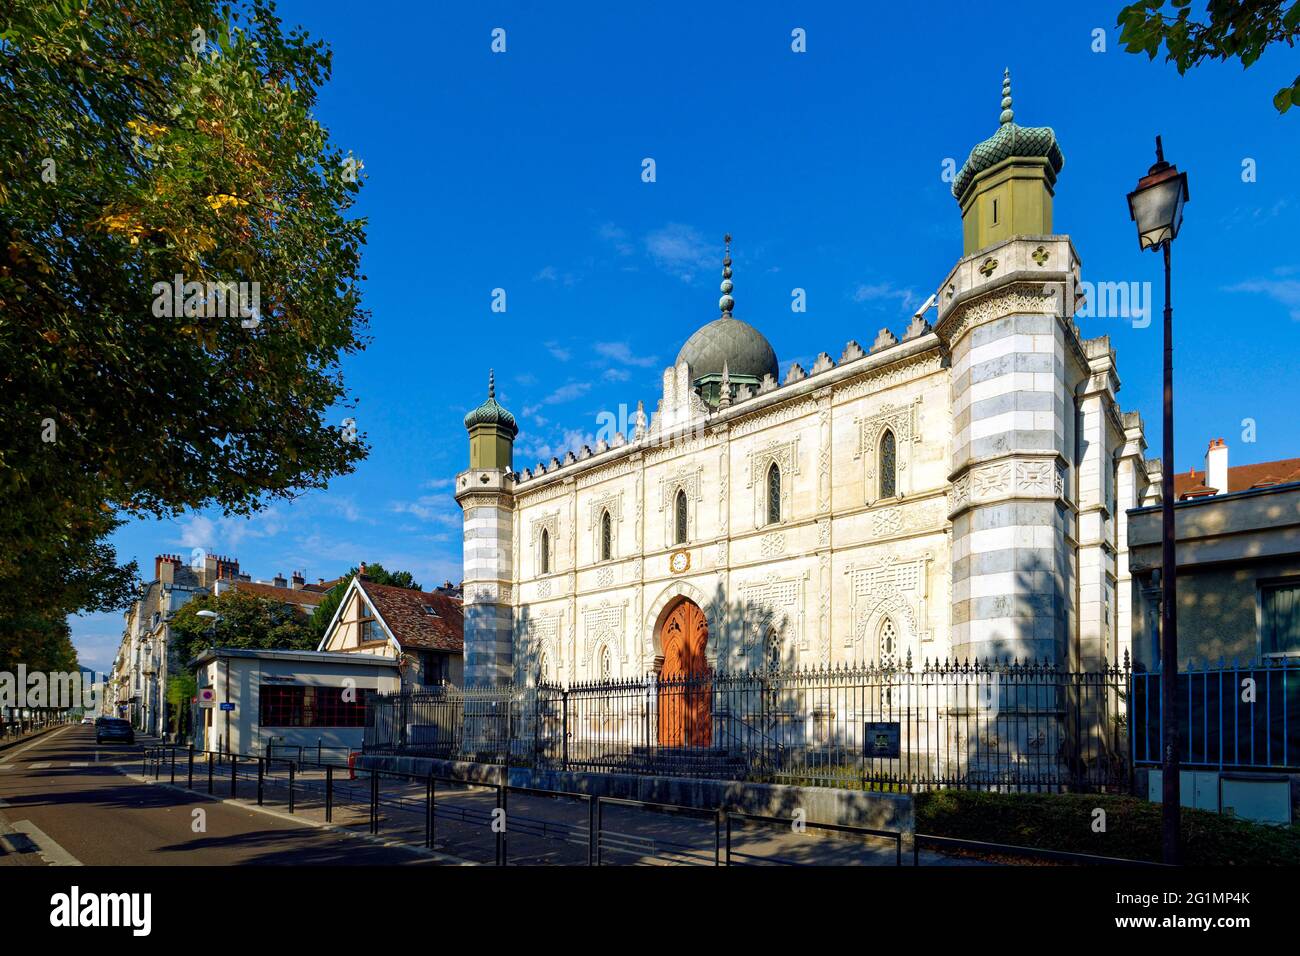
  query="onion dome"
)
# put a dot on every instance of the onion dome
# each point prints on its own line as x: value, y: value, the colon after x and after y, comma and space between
x: 490, y: 413
x: 1009, y: 140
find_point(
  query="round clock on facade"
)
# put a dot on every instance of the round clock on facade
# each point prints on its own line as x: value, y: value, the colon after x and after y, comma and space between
x: 679, y: 561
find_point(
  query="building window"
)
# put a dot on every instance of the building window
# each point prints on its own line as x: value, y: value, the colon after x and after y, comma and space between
x: 773, y: 494
x: 606, y: 537
x: 681, y: 516
x: 888, y: 465
x: 544, y: 556
x: 606, y: 663
x: 544, y: 668
x: 434, y: 670
x: 888, y: 653
x: 995, y: 212
x: 371, y: 631
x: 296, y: 706
x: 773, y: 650
x: 1280, y: 618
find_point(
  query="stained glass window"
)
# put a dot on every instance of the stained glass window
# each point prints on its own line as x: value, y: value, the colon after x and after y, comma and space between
x: 773, y: 494
x: 606, y: 537
x: 888, y: 465
x: 681, y: 517
x: 544, y: 558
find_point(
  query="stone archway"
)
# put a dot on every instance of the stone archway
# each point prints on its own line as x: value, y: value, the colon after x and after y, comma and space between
x: 657, y: 615
x: 685, y: 688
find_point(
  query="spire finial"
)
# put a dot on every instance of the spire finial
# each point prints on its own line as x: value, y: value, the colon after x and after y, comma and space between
x: 1007, y: 115
x: 492, y: 383
x: 726, y: 303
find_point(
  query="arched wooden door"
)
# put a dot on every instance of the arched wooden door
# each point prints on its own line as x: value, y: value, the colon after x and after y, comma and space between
x: 685, y: 691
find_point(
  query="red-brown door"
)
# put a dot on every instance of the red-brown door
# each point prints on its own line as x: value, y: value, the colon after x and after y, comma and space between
x: 685, y: 691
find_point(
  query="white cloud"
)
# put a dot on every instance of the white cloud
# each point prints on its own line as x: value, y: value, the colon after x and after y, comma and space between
x: 1284, y: 291
x: 435, y: 508
x: 886, y: 292
x: 615, y: 236
x: 680, y: 250
x: 558, y: 351
x: 198, y: 532
x: 622, y: 353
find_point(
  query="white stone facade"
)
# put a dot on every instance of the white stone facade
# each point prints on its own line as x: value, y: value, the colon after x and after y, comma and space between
x: 1000, y: 533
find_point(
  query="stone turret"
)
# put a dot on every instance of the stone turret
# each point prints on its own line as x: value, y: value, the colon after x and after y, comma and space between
x: 1005, y: 313
x: 485, y: 493
x: 1005, y: 187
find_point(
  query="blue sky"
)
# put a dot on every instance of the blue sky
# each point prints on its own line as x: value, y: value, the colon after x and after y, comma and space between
x: 522, y: 171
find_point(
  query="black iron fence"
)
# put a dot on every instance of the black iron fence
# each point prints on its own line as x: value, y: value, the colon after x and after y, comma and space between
x: 1230, y: 716
x: 1006, y: 726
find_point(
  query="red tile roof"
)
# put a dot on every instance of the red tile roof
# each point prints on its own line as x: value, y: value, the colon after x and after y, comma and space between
x: 1242, y: 477
x: 306, y: 599
x: 323, y: 587
x: 414, y: 627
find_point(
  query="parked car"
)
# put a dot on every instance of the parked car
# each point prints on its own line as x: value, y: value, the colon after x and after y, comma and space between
x: 116, y: 730
x: 87, y: 720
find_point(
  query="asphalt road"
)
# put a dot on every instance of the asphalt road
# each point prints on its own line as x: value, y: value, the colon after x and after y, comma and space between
x: 63, y: 800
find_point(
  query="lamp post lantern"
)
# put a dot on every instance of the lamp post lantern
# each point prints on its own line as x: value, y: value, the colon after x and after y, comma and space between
x: 1156, y: 205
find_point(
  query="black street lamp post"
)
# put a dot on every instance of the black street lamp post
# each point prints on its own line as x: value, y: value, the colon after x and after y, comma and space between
x: 1156, y: 205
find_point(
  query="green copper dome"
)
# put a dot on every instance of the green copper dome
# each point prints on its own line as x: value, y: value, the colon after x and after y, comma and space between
x: 490, y: 413
x: 731, y: 342
x: 728, y: 343
x: 1010, y: 140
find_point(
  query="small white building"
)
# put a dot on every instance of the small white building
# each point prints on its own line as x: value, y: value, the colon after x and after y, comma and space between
x: 288, y: 698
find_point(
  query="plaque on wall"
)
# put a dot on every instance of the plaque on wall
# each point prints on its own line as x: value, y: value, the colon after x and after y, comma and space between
x: 881, y: 740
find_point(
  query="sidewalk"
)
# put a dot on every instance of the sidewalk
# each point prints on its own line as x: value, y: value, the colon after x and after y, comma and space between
x: 7, y: 742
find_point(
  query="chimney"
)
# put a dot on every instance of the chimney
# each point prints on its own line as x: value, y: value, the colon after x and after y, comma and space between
x: 279, y: 581
x: 298, y: 580
x: 164, y: 567
x: 361, y: 571
x: 1216, y: 465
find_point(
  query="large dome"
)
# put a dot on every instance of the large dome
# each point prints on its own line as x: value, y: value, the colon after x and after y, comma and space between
x: 741, y: 346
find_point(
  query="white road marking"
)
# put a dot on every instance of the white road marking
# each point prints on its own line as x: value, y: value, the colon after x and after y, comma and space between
x: 79, y: 763
x: 6, y: 766
x: 35, y: 743
x: 38, y: 766
x: 50, y: 851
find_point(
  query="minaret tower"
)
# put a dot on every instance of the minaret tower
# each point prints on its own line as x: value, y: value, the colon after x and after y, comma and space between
x: 486, y: 495
x: 1006, y: 315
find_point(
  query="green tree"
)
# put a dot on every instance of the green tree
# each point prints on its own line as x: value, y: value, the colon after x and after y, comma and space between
x: 324, y: 612
x: 1234, y: 29
x: 246, y: 621
x: 40, y: 641
x: 139, y: 142
x: 180, y: 694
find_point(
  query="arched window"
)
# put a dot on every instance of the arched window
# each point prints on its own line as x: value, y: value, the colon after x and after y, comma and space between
x: 681, y: 517
x: 773, y: 661
x: 544, y: 557
x: 544, y: 668
x: 773, y: 494
x: 606, y: 537
x: 606, y: 663
x: 887, y: 655
x: 888, y: 465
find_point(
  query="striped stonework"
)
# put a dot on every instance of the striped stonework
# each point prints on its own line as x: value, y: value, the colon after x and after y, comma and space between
x: 1015, y: 363
x: 487, y: 499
